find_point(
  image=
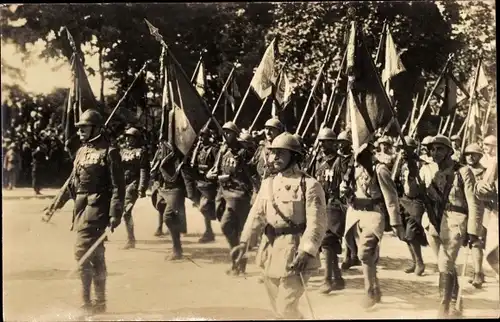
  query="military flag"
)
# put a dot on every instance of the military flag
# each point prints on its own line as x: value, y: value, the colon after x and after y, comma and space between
x: 393, y: 64
x: 283, y: 90
x: 366, y: 101
x: 189, y: 113
x: 264, y: 77
x: 200, y: 80
x: 232, y: 93
x: 80, y: 98
x: 449, y: 93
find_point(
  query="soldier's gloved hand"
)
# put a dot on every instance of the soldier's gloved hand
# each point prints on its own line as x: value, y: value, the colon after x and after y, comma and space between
x: 399, y: 231
x: 238, y: 252
x: 113, y: 223
x: 300, y: 261
x: 142, y: 194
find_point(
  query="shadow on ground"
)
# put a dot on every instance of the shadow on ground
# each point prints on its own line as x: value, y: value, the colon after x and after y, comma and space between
x: 46, y: 274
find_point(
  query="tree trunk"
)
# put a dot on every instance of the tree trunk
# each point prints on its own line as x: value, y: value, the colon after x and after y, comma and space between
x: 101, y: 74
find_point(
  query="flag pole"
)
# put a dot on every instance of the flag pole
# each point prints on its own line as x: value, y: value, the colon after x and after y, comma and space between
x: 311, y: 119
x: 484, y: 128
x: 471, y: 99
x: 258, y: 114
x: 424, y: 107
x: 380, y: 43
x: 198, y: 64
x: 310, y: 97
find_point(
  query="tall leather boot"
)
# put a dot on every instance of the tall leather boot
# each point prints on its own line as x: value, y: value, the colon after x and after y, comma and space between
x: 445, y: 290
x: 176, y: 244
x: 338, y: 281
x: 419, y: 261
x: 86, y: 278
x: 477, y: 260
x: 208, y: 235
x: 129, y: 224
x: 327, y: 286
x: 370, y: 298
x: 159, y: 230
x: 455, y: 310
x: 411, y: 268
x: 100, y: 284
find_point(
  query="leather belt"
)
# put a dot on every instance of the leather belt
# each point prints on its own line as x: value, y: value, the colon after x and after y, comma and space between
x: 290, y: 230
x: 365, y: 204
x: 459, y: 209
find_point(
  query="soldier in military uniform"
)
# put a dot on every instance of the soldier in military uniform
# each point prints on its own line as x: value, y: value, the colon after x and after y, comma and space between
x: 39, y: 157
x: 204, y: 160
x: 136, y: 168
x: 369, y: 188
x: 330, y: 178
x: 292, y: 208
x: 473, y: 155
x: 451, y: 188
x: 170, y: 193
x: 98, y: 190
x: 385, y: 153
x: 235, y: 190
x: 456, y: 143
x: 12, y: 165
x: 490, y: 150
x: 412, y: 208
x: 272, y: 128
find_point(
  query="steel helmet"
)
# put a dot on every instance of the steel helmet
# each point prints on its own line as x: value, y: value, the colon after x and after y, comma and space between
x: 275, y: 123
x: 384, y: 139
x: 455, y: 138
x: 490, y: 140
x: 205, y: 131
x: 326, y: 134
x: 473, y: 148
x: 441, y: 139
x: 344, y: 136
x: 245, y: 137
x: 231, y: 126
x: 90, y: 117
x: 411, y: 142
x: 427, y: 140
x: 287, y: 141
x: 133, y: 132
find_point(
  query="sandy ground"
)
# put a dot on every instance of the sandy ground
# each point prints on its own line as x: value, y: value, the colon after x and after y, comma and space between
x: 37, y: 258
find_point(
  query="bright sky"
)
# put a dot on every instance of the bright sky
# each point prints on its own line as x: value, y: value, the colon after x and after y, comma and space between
x: 42, y: 77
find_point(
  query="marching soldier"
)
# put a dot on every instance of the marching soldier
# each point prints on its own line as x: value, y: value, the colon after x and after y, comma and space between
x: 292, y: 208
x: 204, y: 161
x: 473, y: 155
x: 369, y: 188
x: 272, y: 128
x: 136, y: 168
x: 98, y: 189
x: 235, y: 190
x: 455, y: 142
x: 39, y: 157
x: 451, y: 188
x: 412, y: 209
x: 156, y: 179
x: 330, y: 178
x: 170, y: 195
x: 384, y: 150
x: 12, y: 165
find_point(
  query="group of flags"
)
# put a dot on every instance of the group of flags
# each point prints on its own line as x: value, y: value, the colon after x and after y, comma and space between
x: 369, y: 98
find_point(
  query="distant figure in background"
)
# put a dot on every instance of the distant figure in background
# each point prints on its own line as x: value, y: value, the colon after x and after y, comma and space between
x: 12, y: 165
x: 39, y: 157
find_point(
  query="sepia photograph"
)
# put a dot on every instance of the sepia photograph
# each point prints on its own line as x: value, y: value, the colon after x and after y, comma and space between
x: 330, y: 160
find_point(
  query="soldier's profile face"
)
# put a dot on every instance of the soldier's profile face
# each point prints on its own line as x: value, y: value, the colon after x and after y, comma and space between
x: 472, y: 158
x: 271, y: 133
x: 489, y: 150
x: 84, y: 132
x: 279, y: 158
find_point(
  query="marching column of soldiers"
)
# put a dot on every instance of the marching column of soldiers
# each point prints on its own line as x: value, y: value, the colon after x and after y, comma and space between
x: 264, y: 196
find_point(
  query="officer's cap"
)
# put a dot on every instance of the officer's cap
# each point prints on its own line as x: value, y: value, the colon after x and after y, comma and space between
x: 90, y: 117
x: 326, y: 134
x: 473, y: 148
x: 287, y: 141
x: 275, y: 123
x: 231, y: 126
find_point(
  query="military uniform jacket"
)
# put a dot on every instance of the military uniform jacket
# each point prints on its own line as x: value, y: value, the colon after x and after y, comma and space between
x: 309, y: 207
x: 233, y: 161
x: 325, y: 176
x: 205, y: 160
x: 260, y: 159
x: 12, y: 160
x: 97, y: 184
x: 462, y: 198
x: 136, y: 167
